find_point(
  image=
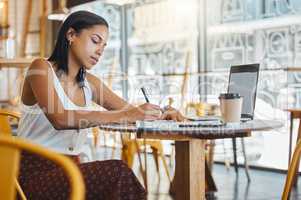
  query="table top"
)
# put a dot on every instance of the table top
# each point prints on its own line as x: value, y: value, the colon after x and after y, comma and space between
x: 294, y: 112
x: 293, y: 109
x: 176, y: 133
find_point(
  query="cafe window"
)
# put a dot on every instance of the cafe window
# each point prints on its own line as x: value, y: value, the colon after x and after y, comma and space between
x: 184, y: 50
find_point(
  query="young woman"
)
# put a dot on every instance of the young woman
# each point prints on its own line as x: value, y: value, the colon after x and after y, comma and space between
x: 57, y: 99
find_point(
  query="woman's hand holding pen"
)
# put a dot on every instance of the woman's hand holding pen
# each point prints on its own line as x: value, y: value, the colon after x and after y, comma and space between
x: 145, y: 111
x: 168, y: 113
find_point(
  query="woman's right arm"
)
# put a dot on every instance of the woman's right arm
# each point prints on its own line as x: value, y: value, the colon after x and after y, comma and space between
x: 40, y: 79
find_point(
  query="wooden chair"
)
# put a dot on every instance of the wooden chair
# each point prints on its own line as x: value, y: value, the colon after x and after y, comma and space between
x: 291, y: 173
x: 132, y: 146
x: 294, y: 114
x: 6, y: 116
x: 5, y: 129
x: 9, y: 160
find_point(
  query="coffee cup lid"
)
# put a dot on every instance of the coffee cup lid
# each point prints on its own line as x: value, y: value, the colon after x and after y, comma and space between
x: 229, y: 96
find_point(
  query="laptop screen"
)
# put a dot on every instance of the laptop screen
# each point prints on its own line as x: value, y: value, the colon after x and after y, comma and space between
x: 243, y: 80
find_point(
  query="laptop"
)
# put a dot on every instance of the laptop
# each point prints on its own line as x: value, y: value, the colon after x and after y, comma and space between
x: 243, y: 79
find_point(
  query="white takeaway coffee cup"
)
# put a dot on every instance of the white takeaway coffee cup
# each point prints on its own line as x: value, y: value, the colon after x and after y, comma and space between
x: 230, y: 106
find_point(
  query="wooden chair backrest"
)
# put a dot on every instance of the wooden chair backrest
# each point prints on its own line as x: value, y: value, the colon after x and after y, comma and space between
x: 10, y: 148
x: 5, y: 115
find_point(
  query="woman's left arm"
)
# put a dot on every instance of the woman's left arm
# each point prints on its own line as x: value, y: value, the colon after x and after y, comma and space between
x: 104, y: 96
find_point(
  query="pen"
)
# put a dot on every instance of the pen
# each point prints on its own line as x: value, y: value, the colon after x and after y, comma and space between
x: 147, y: 100
x: 144, y: 94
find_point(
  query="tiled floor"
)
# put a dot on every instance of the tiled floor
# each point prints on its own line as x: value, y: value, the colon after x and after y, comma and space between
x: 263, y: 186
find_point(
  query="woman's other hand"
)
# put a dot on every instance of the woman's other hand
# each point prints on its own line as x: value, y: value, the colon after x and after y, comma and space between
x: 145, y: 111
x: 171, y: 113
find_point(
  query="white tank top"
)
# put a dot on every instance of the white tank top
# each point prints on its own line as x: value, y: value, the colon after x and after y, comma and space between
x: 35, y: 126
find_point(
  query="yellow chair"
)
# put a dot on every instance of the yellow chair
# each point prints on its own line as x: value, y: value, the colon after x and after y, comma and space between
x: 291, y: 173
x: 6, y: 117
x: 9, y: 160
x: 132, y: 146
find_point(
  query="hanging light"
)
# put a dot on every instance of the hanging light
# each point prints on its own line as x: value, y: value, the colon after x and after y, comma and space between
x: 61, y: 13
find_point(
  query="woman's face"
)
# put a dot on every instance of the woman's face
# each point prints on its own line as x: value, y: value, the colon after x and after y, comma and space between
x: 89, y: 44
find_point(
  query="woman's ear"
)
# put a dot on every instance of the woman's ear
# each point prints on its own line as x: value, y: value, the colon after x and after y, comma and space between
x: 70, y: 34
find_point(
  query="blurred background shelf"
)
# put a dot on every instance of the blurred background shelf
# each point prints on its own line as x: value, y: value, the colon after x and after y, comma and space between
x: 15, y: 62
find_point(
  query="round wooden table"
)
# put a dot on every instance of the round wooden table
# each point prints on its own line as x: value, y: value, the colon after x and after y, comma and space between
x: 189, y: 180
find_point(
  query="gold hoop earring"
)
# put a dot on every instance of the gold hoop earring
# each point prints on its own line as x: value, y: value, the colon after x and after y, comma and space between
x: 70, y: 42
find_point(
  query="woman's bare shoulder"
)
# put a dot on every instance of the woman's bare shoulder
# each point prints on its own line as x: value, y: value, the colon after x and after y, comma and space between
x: 39, y: 63
x: 36, y: 78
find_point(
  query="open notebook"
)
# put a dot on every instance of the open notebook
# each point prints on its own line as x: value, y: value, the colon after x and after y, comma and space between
x: 166, y: 124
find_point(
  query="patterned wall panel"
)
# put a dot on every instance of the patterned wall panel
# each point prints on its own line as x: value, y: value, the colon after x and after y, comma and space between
x: 162, y: 39
x: 265, y: 32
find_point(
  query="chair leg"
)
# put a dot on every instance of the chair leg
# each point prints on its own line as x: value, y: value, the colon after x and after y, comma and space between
x: 209, y: 181
x: 291, y: 172
x: 172, y: 155
x: 114, y: 140
x: 131, y: 153
x: 19, y: 190
x: 235, y: 154
x: 95, y: 132
x: 165, y: 166
x: 145, y: 165
x: 290, y: 140
x: 114, y: 144
x: 156, y: 158
x: 158, y: 149
x: 143, y: 171
x: 128, y: 152
x: 227, y: 162
x: 245, y: 159
x: 295, y: 183
x: 211, y: 154
x: 105, y: 139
